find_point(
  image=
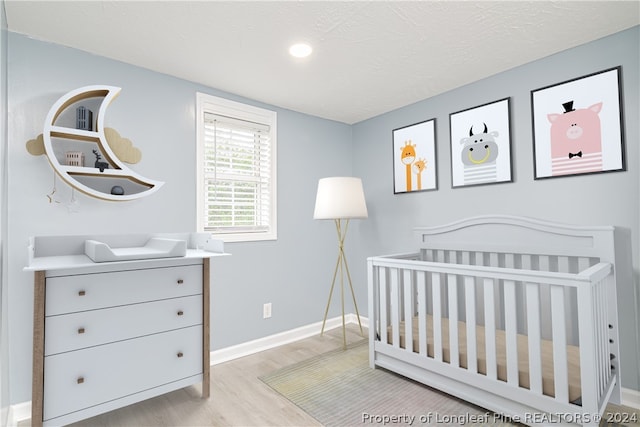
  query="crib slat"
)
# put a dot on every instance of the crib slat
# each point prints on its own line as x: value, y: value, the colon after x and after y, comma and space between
x: 563, y: 264
x: 543, y: 263
x: 437, y: 318
x: 479, y: 260
x: 604, y: 340
x: 605, y: 326
x: 545, y: 303
x: 604, y: 323
x: 470, y: 310
x: 422, y: 312
x: 451, y: 257
x: 490, y: 329
x: 533, y: 328
x: 596, y: 333
x: 511, y: 330
x: 525, y: 264
x: 454, y: 358
x: 466, y: 257
x: 373, y: 283
x: 494, y: 261
x: 587, y: 356
x: 583, y: 263
x: 407, y: 283
x: 559, y: 334
x: 509, y: 260
x: 395, y: 312
x: 564, y: 267
x: 429, y: 255
x: 384, y: 304
x: 602, y: 343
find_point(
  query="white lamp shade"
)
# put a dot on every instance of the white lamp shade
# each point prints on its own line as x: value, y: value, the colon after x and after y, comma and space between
x: 340, y: 198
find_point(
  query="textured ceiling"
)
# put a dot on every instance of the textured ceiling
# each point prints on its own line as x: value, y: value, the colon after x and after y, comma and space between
x: 368, y: 58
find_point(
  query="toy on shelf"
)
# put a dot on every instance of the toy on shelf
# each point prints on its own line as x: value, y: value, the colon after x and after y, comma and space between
x: 100, y: 165
x: 84, y: 118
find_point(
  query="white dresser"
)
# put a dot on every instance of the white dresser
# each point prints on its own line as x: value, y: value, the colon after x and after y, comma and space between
x: 111, y: 334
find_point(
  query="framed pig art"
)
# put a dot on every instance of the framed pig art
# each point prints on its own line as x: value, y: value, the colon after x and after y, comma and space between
x: 577, y: 126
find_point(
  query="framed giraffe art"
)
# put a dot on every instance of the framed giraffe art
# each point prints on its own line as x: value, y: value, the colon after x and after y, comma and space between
x: 414, y: 157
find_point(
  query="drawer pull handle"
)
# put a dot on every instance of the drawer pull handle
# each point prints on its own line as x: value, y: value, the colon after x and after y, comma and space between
x: 80, y: 380
x: 81, y: 293
x: 180, y: 313
x: 180, y: 354
x: 81, y: 330
x: 180, y: 281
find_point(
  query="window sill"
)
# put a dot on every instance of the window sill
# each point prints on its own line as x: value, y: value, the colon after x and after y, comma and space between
x: 245, y: 237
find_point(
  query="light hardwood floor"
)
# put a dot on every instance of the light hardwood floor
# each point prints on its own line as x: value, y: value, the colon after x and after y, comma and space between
x: 238, y: 396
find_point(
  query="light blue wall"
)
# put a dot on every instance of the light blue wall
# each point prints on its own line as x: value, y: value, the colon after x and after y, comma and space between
x: 157, y: 113
x: 603, y: 199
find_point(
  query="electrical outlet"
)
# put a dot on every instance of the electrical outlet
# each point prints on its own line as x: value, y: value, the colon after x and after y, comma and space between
x: 266, y: 311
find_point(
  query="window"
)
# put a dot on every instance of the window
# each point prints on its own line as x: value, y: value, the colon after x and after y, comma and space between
x: 236, y: 170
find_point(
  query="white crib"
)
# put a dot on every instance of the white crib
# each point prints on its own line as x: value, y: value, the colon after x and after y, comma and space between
x: 536, y: 313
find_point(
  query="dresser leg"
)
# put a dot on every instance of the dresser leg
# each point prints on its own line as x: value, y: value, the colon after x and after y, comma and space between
x: 37, y: 382
x: 206, y: 330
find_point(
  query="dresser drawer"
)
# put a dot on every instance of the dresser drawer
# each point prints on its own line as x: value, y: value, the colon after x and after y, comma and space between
x: 83, y: 378
x: 89, y: 328
x: 68, y: 294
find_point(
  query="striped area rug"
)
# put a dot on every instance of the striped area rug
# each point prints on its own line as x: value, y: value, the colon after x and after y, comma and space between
x: 338, y: 388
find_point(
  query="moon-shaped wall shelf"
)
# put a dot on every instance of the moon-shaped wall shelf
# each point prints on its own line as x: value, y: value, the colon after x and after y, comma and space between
x: 60, y: 136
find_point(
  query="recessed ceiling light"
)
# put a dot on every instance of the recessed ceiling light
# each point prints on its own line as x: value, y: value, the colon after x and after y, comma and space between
x: 300, y: 50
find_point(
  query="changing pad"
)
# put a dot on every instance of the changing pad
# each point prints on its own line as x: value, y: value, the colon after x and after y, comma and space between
x: 154, y: 248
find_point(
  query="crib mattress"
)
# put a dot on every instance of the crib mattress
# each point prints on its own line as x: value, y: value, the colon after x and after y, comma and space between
x: 573, y: 355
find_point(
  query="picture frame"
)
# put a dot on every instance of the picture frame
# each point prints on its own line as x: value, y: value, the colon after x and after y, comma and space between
x: 481, y: 144
x: 414, y: 157
x: 578, y: 126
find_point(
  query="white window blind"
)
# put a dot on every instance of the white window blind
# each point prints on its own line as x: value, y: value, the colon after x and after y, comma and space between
x: 237, y: 177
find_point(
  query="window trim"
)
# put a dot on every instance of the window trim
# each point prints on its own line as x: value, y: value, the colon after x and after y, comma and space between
x: 206, y: 103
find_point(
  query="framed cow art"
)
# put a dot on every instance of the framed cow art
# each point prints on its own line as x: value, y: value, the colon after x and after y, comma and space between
x: 577, y: 126
x: 481, y: 144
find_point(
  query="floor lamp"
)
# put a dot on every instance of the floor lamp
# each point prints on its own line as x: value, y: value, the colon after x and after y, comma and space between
x: 340, y: 199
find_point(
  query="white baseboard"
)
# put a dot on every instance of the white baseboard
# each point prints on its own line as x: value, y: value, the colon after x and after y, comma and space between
x: 18, y: 413
x: 631, y: 398
x: 282, y: 338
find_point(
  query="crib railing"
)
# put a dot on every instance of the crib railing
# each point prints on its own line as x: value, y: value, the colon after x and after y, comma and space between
x: 503, y: 301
